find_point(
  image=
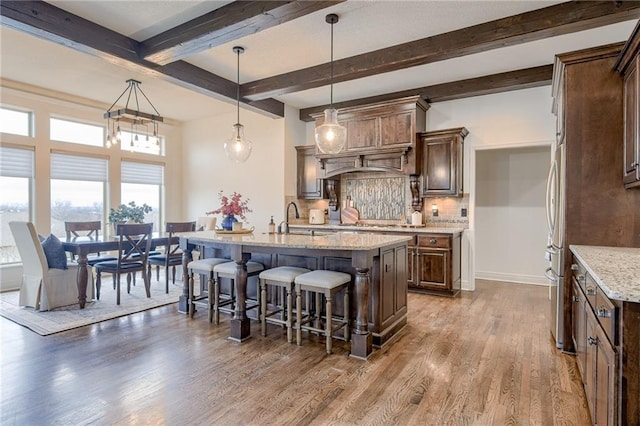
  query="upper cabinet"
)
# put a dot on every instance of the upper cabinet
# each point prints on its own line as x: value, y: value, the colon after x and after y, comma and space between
x: 380, y: 137
x: 442, y: 155
x: 309, y: 185
x: 627, y: 65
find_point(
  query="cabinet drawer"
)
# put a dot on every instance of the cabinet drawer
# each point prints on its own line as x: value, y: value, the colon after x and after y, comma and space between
x: 605, y: 311
x: 438, y: 241
x: 590, y: 289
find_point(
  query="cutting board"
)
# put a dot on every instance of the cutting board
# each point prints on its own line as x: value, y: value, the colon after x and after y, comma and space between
x: 349, y: 215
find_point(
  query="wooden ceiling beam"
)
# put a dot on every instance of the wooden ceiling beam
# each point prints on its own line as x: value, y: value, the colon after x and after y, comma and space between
x: 494, y: 83
x: 48, y: 22
x: 230, y: 22
x: 550, y: 21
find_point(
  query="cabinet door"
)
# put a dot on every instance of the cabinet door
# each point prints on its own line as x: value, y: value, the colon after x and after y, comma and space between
x: 579, y: 327
x: 439, y: 165
x: 387, y: 285
x: 396, y: 129
x: 591, y: 358
x: 401, y: 277
x: 432, y: 267
x: 362, y: 134
x: 411, y: 266
x: 631, y: 137
x: 606, y: 367
x: 310, y: 187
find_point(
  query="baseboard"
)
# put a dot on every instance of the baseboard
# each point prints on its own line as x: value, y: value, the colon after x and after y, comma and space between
x: 513, y: 278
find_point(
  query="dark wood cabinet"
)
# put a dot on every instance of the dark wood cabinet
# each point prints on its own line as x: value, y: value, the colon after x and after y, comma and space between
x: 627, y: 65
x: 442, y: 157
x: 579, y: 323
x: 435, y: 264
x: 309, y: 184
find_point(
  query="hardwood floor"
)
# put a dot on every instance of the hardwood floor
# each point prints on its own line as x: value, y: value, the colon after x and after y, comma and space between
x: 485, y: 358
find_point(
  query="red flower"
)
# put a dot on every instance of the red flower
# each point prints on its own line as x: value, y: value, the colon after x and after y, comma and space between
x: 235, y: 206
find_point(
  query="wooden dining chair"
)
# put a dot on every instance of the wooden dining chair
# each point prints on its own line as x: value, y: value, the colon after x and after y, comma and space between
x: 90, y: 229
x: 134, y: 244
x: 172, y: 255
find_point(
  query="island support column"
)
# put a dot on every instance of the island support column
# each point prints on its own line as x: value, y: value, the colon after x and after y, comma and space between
x: 361, y: 338
x: 240, y: 327
x: 183, y: 301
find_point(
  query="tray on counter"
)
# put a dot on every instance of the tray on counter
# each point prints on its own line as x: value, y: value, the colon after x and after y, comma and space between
x: 241, y: 231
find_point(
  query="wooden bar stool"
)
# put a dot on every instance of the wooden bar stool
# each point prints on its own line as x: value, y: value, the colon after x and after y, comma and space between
x: 205, y: 267
x: 327, y: 284
x: 282, y: 278
x: 228, y: 270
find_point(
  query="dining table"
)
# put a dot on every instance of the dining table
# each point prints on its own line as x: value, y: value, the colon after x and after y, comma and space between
x: 356, y: 253
x: 81, y: 247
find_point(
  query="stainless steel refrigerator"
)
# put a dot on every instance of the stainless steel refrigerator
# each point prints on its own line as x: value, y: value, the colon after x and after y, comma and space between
x: 555, y: 207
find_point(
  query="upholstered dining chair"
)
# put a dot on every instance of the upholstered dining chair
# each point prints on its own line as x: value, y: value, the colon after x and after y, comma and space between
x: 172, y: 255
x: 90, y: 229
x: 42, y: 287
x: 134, y: 244
x: 206, y: 223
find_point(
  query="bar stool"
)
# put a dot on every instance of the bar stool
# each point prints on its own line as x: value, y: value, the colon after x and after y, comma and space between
x: 281, y: 277
x: 327, y: 284
x: 205, y: 267
x: 228, y: 270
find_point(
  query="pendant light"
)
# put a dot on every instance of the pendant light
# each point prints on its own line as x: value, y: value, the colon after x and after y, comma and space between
x: 238, y: 148
x: 331, y: 136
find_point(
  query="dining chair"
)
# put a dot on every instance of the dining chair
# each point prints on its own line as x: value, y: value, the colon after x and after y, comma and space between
x: 172, y: 255
x: 89, y: 229
x: 42, y: 287
x: 134, y: 244
x: 206, y: 223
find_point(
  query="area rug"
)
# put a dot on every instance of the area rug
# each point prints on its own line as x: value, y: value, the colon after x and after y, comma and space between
x: 69, y: 317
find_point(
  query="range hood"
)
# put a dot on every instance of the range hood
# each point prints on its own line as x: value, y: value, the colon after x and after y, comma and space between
x: 396, y: 160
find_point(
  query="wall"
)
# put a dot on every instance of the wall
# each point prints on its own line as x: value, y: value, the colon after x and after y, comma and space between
x: 510, y: 214
x: 206, y: 169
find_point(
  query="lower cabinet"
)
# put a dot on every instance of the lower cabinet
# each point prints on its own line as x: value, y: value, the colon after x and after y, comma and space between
x: 434, y: 264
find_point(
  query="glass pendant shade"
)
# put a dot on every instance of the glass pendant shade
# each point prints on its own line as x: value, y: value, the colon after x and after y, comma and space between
x: 238, y: 148
x: 331, y: 136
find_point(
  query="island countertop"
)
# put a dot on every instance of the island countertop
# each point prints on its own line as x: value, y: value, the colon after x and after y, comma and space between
x: 333, y: 241
x: 615, y: 269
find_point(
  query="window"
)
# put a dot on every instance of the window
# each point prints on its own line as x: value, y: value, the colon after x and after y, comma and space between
x: 78, y: 187
x: 74, y: 132
x: 16, y: 177
x: 15, y: 122
x: 143, y: 183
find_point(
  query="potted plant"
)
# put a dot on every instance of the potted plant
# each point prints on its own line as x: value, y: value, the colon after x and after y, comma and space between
x: 230, y: 207
x: 131, y: 213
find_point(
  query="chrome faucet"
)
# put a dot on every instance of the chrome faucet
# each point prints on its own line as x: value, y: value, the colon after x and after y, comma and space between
x: 284, y: 229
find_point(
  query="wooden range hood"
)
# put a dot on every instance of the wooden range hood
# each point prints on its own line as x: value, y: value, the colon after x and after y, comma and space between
x: 381, y: 137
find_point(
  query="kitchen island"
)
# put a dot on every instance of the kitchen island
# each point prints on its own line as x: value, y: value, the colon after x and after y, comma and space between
x: 376, y: 262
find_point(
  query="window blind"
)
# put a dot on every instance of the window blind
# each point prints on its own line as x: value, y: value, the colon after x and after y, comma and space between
x: 150, y: 174
x: 74, y: 167
x: 16, y: 162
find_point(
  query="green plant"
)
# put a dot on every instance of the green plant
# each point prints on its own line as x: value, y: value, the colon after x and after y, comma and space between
x: 129, y: 213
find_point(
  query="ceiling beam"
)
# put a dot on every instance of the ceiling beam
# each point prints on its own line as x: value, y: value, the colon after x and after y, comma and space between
x: 550, y: 21
x: 494, y: 83
x: 230, y: 22
x: 48, y: 22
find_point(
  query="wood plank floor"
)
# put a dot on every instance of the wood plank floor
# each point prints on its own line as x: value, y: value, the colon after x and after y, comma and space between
x: 485, y: 358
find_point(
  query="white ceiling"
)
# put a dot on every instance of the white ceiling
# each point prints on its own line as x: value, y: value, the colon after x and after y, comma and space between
x: 365, y: 25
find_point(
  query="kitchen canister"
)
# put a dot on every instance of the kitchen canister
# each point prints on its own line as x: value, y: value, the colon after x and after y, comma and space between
x: 416, y: 218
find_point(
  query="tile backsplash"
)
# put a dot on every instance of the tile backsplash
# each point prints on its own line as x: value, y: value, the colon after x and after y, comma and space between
x: 383, y: 198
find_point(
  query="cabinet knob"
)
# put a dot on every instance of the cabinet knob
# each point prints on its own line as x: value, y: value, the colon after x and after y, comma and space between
x: 433, y: 241
x: 602, y: 312
x: 591, y: 291
x: 592, y: 340
x: 581, y: 278
x: 576, y: 299
x: 634, y: 165
x: 574, y: 267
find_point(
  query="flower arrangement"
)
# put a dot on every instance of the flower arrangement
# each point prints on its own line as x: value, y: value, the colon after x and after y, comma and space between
x: 232, y: 206
x: 129, y: 212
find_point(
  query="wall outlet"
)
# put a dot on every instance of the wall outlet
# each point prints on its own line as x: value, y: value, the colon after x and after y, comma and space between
x: 463, y: 212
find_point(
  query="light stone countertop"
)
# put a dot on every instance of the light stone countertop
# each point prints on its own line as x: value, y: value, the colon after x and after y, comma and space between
x: 333, y: 241
x: 615, y: 269
x: 386, y: 228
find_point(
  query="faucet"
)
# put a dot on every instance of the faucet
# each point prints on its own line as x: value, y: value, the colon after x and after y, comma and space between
x: 285, y: 229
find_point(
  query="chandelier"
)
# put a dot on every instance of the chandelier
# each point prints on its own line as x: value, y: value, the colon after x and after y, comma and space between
x: 132, y: 126
x: 331, y: 136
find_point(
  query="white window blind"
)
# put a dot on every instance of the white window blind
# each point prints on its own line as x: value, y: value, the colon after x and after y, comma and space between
x: 74, y: 167
x: 150, y: 174
x: 16, y: 162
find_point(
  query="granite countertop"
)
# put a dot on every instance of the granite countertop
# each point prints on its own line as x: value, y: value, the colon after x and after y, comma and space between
x: 615, y: 269
x: 374, y: 228
x: 333, y: 241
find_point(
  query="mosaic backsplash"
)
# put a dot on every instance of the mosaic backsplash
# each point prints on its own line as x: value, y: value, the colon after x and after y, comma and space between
x: 376, y: 197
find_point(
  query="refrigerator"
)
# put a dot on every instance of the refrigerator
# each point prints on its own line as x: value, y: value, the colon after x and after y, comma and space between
x: 555, y: 206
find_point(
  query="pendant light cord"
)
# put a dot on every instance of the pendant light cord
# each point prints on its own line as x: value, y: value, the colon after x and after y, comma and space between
x: 331, y: 98
x: 238, y: 87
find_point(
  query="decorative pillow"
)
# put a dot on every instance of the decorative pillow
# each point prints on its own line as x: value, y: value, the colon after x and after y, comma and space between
x: 53, y: 250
